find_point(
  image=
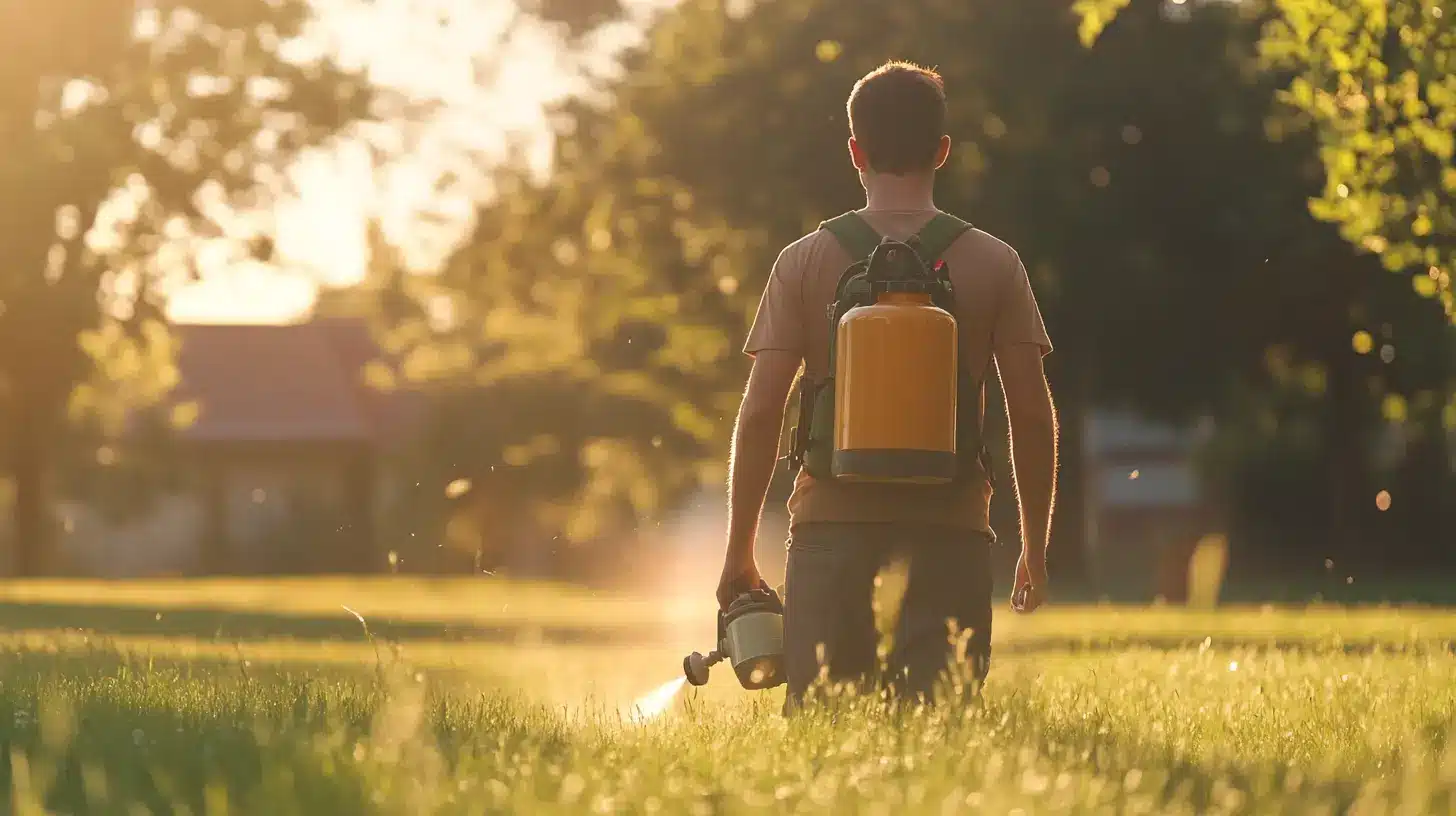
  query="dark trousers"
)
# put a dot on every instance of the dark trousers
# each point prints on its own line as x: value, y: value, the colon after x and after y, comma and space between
x: 829, y: 620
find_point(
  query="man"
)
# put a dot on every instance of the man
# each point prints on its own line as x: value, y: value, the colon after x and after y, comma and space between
x: 842, y: 534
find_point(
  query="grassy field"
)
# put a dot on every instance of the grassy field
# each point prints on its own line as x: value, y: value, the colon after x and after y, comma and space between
x: 409, y: 697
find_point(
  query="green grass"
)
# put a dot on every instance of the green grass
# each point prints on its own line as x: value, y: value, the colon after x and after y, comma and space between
x: 1109, y: 710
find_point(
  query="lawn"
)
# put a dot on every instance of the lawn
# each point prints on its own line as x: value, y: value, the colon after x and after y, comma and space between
x: 405, y: 696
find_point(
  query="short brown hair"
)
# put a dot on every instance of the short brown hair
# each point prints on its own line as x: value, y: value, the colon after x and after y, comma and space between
x: 897, y: 116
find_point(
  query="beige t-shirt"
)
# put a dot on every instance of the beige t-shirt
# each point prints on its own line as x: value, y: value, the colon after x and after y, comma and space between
x: 995, y: 309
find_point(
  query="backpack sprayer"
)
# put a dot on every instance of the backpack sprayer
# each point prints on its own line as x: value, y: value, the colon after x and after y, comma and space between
x: 897, y: 404
x: 750, y: 637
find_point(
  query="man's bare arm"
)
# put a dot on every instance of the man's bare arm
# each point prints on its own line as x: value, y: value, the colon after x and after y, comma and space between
x: 755, y: 452
x: 1033, y: 422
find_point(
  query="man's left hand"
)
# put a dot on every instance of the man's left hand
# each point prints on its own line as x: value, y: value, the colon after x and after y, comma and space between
x: 1030, y: 588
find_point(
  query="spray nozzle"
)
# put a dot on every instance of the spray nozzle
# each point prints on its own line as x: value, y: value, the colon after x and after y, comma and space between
x: 696, y: 665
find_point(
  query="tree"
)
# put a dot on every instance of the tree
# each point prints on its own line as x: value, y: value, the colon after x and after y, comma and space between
x: 132, y: 135
x: 1375, y: 84
x: 582, y: 334
x: 571, y: 386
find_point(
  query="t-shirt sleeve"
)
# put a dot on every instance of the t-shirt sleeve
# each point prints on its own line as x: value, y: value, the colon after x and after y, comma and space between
x: 779, y: 322
x: 1018, y: 320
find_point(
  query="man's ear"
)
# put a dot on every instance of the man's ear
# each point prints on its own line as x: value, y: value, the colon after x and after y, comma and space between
x: 943, y: 152
x: 857, y: 156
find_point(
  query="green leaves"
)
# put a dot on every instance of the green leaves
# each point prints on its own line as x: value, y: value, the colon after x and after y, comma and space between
x: 1373, y: 81
x: 1095, y: 15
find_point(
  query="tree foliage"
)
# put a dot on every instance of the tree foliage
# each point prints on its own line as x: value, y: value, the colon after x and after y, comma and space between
x: 1373, y: 84
x: 589, y: 335
x: 133, y: 136
x: 1375, y: 81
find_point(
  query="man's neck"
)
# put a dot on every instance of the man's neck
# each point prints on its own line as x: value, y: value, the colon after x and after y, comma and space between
x: 909, y: 192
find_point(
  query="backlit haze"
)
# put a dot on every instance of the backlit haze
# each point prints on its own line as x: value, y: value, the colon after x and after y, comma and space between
x: 496, y: 87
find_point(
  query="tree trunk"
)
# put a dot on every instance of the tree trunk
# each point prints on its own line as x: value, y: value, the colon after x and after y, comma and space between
x: 1421, y: 486
x: 1346, y: 427
x: 30, y: 523
x: 1071, y: 392
x: 1345, y: 442
x: 1069, y: 519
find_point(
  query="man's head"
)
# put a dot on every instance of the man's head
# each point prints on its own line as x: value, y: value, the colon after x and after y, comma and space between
x: 897, y: 120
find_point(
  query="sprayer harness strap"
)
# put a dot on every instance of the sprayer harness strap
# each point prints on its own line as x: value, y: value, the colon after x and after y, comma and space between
x: 936, y: 237
x: 859, y: 239
x: 854, y: 234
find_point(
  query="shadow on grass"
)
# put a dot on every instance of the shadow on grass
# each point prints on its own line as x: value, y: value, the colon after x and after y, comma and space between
x: 233, y: 625
x: 252, y: 626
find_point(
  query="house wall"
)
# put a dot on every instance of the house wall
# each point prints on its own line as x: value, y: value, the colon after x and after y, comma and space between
x: 1145, y: 508
x: 262, y: 500
x: 160, y: 542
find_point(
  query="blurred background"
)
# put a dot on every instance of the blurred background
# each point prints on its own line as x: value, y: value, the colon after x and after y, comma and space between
x: 459, y: 286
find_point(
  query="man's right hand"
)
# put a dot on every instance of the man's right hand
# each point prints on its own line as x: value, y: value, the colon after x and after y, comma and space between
x: 738, y: 577
x: 1030, y: 589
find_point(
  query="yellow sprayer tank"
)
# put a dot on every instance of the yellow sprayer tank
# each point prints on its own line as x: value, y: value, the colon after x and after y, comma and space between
x: 895, y: 391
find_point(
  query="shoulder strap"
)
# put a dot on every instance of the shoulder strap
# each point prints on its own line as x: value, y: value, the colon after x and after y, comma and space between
x: 855, y: 234
x: 938, y: 234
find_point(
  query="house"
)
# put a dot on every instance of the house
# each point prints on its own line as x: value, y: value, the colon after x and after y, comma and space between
x: 282, y: 471
x: 279, y: 471
x: 1145, y: 507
